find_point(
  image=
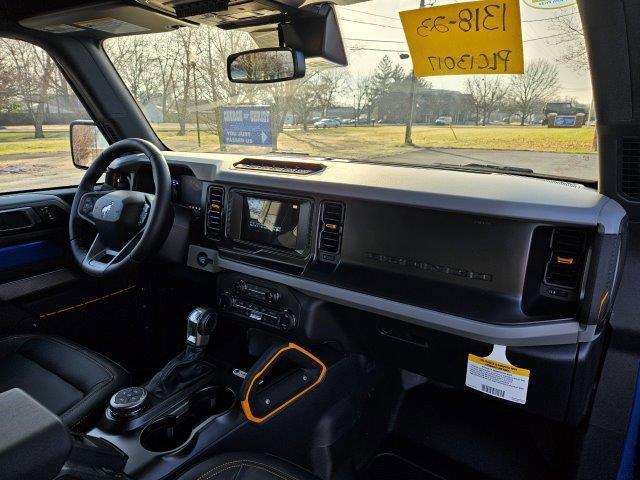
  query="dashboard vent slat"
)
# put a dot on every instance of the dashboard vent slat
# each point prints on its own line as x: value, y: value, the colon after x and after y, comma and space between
x: 568, y: 254
x: 331, y: 229
x: 630, y: 174
x: 215, y: 213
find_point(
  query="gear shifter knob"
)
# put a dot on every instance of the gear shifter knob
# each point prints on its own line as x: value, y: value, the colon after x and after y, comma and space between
x: 201, y: 323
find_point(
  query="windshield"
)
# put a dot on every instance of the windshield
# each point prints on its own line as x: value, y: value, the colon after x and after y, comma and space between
x: 542, y: 121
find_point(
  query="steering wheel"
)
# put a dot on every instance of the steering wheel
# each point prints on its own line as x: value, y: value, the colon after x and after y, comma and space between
x: 130, y: 225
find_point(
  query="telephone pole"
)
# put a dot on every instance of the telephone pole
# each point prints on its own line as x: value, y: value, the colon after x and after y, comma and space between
x: 412, y: 92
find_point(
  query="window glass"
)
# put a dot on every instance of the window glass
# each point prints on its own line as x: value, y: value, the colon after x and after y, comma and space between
x: 36, y: 107
x: 542, y: 121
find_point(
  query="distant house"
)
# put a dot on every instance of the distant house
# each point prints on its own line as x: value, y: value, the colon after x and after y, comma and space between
x: 430, y: 104
x: 152, y: 112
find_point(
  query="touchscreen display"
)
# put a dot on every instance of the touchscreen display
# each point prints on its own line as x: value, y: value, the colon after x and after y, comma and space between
x: 271, y: 222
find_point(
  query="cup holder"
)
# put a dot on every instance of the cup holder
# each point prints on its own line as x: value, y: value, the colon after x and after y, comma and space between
x: 165, y: 434
x: 169, y: 433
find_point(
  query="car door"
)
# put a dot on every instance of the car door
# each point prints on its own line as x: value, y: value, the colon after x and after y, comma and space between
x: 40, y: 287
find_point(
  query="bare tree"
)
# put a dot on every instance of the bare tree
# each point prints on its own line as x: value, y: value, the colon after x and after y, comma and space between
x: 135, y: 59
x: 306, y: 99
x: 331, y: 83
x: 33, y: 76
x: 487, y: 94
x: 530, y: 91
x: 569, y: 35
x: 213, y: 47
x: 7, y: 92
x: 362, y: 92
x: 181, y: 53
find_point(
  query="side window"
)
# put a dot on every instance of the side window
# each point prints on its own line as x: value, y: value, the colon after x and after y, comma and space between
x: 36, y: 107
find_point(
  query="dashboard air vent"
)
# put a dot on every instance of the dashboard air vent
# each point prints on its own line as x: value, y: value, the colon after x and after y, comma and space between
x: 630, y: 175
x: 331, y: 230
x: 568, y: 253
x: 215, y: 213
x: 279, y: 166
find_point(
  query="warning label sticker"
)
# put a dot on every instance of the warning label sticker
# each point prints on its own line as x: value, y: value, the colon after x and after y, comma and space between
x: 60, y: 28
x: 111, y: 25
x: 495, y: 376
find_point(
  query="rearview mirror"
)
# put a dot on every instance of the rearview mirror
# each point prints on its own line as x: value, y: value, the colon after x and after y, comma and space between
x: 87, y: 143
x: 266, y: 65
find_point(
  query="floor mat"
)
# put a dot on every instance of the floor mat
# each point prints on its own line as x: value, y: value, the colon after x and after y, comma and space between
x: 389, y: 466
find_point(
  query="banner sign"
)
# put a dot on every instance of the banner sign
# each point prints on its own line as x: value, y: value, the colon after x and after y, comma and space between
x: 247, y: 126
x: 549, y: 4
x: 468, y: 38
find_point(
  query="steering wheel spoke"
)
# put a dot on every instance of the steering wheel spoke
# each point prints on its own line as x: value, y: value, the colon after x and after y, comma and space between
x: 87, y: 204
x: 100, y: 257
x: 149, y: 200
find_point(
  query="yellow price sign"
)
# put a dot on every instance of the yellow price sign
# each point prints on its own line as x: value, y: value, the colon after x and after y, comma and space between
x: 483, y: 37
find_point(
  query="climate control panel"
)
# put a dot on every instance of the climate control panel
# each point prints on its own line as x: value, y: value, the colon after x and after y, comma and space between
x: 258, y: 302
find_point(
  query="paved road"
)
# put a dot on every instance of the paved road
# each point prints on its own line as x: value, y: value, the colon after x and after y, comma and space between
x: 562, y: 164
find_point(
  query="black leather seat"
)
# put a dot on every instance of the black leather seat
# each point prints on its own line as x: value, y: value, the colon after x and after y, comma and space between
x: 72, y: 382
x: 246, y: 466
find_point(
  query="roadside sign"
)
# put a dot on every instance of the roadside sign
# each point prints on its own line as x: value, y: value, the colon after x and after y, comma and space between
x: 247, y: 125
x: 565, y: 121
x: 482, y: 37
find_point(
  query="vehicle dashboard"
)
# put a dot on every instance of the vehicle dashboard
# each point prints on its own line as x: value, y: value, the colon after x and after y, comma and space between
x: 495, y: 258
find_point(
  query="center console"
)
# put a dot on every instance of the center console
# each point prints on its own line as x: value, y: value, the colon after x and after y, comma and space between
x: 258, y: 303
x: 214, y: 399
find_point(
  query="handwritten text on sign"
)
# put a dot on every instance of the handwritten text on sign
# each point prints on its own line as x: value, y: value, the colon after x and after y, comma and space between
x: 482, y: 37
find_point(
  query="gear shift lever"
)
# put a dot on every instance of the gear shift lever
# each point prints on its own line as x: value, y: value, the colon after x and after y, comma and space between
x: 201, y: 323
x: 188, y: 365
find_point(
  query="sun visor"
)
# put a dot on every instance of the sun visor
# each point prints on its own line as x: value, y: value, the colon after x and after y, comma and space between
x: 226, y: 14
x: 103, y: 20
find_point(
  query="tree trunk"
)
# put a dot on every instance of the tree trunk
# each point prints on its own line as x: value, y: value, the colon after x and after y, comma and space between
x: 182, y: 120
x: 38, y: 121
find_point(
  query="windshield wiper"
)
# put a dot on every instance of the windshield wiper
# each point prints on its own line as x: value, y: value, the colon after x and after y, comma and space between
x: 482, y: 166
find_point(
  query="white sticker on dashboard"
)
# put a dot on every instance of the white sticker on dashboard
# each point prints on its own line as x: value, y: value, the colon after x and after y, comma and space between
x: 496, y: 376
x: 111, y: 25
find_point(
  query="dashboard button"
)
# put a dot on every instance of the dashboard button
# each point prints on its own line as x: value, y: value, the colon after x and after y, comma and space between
x: 287, y: 320
x: 203, y: 260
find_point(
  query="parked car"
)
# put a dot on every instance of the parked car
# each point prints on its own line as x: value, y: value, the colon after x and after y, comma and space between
x: 444, y: 121
x: 562, y: 108
x: 327, y: 123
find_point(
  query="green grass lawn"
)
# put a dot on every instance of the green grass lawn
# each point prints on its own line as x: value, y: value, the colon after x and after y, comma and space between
x: 371, y: 142
x: 345, y: 142
x: 22, y: 142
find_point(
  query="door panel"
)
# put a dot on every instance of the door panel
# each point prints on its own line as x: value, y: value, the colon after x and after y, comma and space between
x: 33, y: 238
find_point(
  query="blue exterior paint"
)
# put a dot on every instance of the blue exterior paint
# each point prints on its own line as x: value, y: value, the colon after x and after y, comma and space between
x: 627, y: 468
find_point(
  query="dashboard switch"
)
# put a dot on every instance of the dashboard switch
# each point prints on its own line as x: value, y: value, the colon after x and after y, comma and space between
x: 203, y: 259
x: 287, y: 320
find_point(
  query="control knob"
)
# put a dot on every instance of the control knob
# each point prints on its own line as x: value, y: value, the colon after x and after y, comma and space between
x: 240, y: 287
x: 287, y: 320
x: 226, y: 301
x: 128, y: 402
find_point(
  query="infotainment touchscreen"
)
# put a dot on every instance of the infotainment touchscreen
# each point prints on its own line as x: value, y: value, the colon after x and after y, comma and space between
x: 271, y: 222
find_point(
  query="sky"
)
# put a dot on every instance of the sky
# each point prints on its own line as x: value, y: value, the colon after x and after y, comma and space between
x: 375, y: 25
